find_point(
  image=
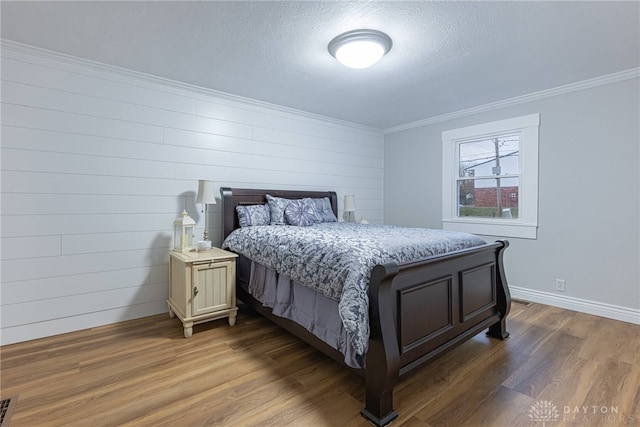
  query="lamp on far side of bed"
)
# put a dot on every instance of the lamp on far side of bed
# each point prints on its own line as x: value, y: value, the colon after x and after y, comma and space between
x: 349, y: 214
x: 205, y: 197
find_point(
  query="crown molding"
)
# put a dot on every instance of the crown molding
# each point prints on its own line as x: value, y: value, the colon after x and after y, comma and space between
x: 223, y: 96
x: 47, y: 54
x: 633, y: 73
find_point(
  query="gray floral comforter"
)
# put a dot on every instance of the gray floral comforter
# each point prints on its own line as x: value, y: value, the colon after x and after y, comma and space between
x: 337, y: 258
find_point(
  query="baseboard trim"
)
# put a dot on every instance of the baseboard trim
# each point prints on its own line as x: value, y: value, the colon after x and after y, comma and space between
x: 610, y: 311
x: 48, y: 328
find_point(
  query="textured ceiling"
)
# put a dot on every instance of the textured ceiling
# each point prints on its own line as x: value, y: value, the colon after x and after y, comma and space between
x: 446, y: 56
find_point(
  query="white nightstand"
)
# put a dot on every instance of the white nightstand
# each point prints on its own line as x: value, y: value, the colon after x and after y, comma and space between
x: 202, y: 287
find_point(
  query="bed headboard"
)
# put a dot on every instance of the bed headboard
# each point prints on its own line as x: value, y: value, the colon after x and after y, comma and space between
x: 232, y: 197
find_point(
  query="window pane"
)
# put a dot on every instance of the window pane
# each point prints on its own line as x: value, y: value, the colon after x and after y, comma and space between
x: 495, y: 156
x: 491, y: 197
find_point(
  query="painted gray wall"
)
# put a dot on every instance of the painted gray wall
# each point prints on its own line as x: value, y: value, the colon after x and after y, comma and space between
x: 589, y: 192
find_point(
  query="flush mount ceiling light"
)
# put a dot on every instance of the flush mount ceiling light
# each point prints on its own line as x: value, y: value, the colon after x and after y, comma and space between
x: 360, y: 48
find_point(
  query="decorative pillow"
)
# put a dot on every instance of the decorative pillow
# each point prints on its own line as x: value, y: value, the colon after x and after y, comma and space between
x: 323, y: 209
x: 277, y: 206
x: 300, y: 213
x: 250, y: 215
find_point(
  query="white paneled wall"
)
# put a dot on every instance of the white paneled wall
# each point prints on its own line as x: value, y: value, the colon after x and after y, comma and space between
x: 97, y: 162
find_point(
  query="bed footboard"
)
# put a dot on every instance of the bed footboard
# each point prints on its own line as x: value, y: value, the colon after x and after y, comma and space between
x: 419, y: 310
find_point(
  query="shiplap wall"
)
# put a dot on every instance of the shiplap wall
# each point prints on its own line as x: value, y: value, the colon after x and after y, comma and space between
x: 97, y: 162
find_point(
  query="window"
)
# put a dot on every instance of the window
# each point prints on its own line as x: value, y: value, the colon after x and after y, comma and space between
x: 489, y: 174
x: 490, y: 178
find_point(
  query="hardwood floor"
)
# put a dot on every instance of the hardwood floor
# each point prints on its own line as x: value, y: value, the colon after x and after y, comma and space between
x: 581, y: 368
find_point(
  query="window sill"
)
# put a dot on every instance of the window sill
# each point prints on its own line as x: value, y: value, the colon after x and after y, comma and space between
x: 493, y: 228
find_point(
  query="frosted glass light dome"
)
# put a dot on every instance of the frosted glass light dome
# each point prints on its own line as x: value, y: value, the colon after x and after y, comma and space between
x: 360, y: 48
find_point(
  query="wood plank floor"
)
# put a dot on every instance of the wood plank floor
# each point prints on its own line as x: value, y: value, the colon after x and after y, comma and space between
x: 585, y: 369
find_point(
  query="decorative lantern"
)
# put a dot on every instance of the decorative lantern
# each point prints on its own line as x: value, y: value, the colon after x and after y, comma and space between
x: 183, y: 233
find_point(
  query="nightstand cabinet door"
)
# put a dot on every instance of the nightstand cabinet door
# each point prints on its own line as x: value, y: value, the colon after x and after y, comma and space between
x: 213, y: 287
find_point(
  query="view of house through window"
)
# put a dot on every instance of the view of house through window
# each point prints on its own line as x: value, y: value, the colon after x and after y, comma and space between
x: 488, y: 181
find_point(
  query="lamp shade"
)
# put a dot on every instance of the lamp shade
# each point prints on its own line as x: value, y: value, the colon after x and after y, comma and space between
x: 205, y: 193
x: 349, y: 203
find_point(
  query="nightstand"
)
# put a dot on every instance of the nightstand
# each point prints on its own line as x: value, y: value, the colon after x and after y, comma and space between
x: 202, y: 287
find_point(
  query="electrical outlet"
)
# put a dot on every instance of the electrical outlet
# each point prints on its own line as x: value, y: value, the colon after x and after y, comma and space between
x: 560, y: 285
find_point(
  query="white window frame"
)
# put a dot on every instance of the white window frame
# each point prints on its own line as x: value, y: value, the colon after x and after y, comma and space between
x: 526, y: 225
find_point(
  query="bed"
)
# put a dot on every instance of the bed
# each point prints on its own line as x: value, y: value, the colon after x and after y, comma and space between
x: 416, y: 310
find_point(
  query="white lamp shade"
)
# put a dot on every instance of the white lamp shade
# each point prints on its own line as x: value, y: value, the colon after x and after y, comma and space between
x: 205, y: 193
x: 349, y: 203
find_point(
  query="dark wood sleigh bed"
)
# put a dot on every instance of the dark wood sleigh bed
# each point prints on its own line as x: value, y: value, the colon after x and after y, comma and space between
x: 417, y: 311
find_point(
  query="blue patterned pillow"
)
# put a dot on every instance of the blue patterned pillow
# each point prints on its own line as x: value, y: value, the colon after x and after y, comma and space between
x: 250, y: 215
x: 300, y: 213
x: 323, y: 209
x: 277, y: 205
